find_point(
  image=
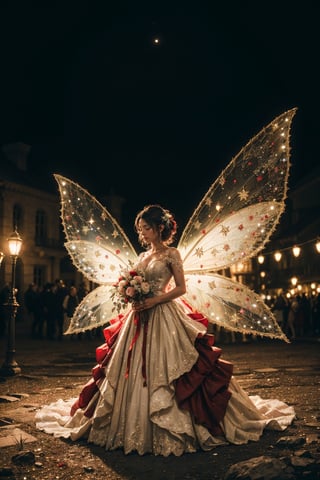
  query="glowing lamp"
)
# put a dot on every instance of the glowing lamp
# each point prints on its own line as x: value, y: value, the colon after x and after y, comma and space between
x: 14, y: 244
x: 296, y: 251
x: 294, y: 281
x: 277, y: 256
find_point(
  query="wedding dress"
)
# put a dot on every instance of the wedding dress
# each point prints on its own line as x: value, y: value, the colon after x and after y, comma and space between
x: 160, y: 385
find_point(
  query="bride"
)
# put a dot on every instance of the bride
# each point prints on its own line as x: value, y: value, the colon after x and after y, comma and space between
x: 160, y: 385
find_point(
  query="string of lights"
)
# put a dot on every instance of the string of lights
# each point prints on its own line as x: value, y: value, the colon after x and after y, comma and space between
x: 296, y: 250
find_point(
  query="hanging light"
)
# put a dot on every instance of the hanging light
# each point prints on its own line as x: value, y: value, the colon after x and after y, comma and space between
x: 261, y: 259
x: 294, y: 281
x: 296, y: 251
x: 262, y: 274
x: 318, y: 245
x: 277, y: 256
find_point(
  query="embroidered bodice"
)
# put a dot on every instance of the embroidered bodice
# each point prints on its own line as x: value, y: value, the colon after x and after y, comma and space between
x: 156, y: 268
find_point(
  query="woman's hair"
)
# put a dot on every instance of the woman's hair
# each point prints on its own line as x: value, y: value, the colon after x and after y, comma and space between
x: 155, y: 216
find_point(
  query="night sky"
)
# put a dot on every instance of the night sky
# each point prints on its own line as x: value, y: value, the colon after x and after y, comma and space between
x: 151, y: 102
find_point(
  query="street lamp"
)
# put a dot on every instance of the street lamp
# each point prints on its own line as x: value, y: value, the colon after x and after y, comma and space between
x: 10, y: 366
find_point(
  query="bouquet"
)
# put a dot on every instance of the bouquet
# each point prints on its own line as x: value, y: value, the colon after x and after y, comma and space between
x: 130, y: 287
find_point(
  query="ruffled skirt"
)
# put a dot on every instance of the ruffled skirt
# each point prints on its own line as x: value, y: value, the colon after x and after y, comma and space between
x: 160, y: 386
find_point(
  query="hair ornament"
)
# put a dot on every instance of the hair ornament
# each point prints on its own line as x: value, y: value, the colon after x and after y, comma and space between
x: 167, y: 218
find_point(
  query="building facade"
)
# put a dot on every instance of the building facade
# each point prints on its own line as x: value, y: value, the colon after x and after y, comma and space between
x: 28, y: 206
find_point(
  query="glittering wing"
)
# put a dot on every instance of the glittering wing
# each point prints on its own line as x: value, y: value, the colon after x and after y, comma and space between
x: 231, y: 305
x: 232, y: 223
x: 96, y: 243
x: 95, y: 310
x: 243, y: 206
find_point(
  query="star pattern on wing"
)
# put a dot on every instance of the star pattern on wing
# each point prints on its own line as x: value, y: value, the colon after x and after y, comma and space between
x: 222, y: 180
x: 243, y: 194
x: 199, y: 252
x: 224, y: 230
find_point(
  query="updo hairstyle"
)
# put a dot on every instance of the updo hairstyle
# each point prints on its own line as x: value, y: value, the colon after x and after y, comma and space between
x: 155, y: 216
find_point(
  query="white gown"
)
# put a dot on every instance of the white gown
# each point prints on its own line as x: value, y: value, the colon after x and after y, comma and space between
x: 161, y: 387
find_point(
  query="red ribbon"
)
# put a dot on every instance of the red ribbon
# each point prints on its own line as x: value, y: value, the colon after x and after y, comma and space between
x: 137, y: 322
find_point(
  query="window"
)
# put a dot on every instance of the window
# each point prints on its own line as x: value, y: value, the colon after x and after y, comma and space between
x: 41, y: 227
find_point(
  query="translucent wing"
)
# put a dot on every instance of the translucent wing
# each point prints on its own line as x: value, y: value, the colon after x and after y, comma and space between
x: 96, y: 243
x: 242, y: 207
x: 231, y: 305
x: 98, y: 248
x: 232, y: 223
x: 95, y: 310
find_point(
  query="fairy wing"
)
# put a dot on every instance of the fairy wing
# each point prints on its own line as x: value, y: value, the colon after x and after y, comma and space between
x: 96, y: 243
x: 231, y: 305
x: 98, y: 247
x: 95, y: 310
x: 232, y: 223
x: 241, y: 209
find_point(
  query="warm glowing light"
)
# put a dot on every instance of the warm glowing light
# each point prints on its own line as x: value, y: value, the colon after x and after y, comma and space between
x: 296, y: 251
x: 318, y: 246
x: 294, y: 281
x: 277, y: 256
x: 14, y: 243
x: 261, y: 259
x: 313, y: 286
x: 262, y: 274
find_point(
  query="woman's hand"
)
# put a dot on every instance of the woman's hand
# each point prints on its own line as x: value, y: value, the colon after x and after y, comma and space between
x: 144, y: 304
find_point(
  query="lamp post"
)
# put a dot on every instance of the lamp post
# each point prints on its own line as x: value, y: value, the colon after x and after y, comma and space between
x: 10, y: 366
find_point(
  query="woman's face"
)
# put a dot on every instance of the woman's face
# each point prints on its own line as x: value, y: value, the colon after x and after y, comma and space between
x: 146, y: 232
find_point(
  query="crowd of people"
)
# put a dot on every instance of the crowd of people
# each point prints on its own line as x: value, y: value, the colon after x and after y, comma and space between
x: 49, y: 310
x: 299, y: 315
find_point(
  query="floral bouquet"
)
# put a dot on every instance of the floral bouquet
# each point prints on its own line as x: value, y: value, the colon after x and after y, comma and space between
x: 130, y: 287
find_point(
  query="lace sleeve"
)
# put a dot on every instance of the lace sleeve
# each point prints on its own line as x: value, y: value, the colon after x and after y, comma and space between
x: 174, y: 258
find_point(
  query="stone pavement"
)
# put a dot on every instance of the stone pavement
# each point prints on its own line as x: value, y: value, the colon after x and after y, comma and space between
x: 271, y: 369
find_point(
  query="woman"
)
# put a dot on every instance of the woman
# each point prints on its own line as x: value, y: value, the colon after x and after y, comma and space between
x: 160, y: 385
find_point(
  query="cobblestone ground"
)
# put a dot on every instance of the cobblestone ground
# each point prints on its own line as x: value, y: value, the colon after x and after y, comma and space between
x: 53, y: 370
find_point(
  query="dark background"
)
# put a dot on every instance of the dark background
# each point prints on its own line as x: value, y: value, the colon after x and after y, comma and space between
x: 101, y: 103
